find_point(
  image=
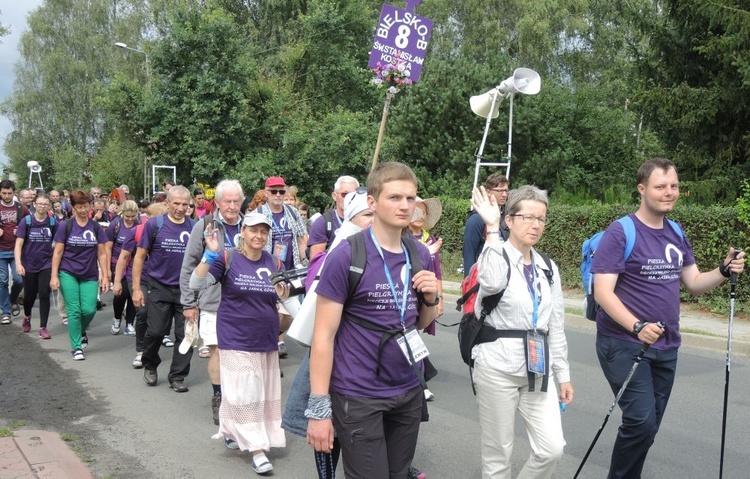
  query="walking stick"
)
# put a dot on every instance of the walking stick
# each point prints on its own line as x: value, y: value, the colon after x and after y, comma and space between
x: 732, y: 297
x: 638, y: 360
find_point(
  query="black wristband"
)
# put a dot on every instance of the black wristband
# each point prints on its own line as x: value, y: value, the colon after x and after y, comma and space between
x: 435, y: 303
x: 723, y: 269
x: 638, y: 327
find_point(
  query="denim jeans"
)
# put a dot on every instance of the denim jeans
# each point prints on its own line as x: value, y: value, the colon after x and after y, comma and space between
x: 9, y: 295
x: 643, y: 403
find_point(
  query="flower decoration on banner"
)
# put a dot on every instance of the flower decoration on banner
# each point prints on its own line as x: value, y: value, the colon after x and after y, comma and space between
x: 391, y: 76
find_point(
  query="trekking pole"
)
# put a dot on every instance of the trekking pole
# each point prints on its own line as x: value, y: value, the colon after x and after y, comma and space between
x: 732, y: 297
x: 638, y: 360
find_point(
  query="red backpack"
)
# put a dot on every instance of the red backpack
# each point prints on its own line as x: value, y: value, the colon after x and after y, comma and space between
x: 469, y: 289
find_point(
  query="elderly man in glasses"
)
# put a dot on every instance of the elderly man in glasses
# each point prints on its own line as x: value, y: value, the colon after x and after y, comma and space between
x: 323, y: 231
x: 288, y: 238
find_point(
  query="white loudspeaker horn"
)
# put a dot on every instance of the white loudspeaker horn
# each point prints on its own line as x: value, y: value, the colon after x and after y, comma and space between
x: 524, y: 80
x: 481, y: 104
x: 34, y: 166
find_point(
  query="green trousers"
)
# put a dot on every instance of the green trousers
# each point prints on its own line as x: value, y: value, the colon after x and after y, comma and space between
x: 80, y: 301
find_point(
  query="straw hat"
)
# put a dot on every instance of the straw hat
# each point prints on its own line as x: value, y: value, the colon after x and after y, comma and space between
x: 434, y: 212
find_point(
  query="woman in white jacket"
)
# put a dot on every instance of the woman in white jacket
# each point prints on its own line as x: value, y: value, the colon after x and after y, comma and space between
x: 512, y: 373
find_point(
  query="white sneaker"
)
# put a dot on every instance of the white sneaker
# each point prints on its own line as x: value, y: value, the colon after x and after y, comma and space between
x: 261, y: 464
x: 115, y: 328
x: 129, y: 330
x: 428, y: 395
x: 137, y: 361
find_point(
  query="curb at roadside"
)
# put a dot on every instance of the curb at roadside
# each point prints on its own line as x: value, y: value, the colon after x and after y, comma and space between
x: 39, y: 454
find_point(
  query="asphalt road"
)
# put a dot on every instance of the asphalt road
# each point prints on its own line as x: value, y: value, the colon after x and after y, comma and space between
x: 128, y: 430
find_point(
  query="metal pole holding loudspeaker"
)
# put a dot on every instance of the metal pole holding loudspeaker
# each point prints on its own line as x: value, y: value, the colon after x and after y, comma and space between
x: 35, y: 167
x: 487, y: 105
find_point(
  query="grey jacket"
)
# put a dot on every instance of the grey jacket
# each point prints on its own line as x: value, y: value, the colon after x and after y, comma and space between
x: 209, y: 298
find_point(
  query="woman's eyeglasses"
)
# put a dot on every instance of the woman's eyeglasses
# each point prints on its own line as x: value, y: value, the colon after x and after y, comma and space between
x: 529, y: 219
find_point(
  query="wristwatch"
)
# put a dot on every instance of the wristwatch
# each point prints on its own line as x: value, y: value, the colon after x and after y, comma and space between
x: 637, y: 327
x: 435, y: 303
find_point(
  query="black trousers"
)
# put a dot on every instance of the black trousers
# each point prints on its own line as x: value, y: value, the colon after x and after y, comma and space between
x: 125, y: 300
x: 141, y: 319
x: 378, y: 437
x: 164, y: 305
x: 37, y: 284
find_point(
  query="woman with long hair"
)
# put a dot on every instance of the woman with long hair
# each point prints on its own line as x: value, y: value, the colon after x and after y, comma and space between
x: 33, y: 254
x: 117, y: 232
x: 79, y: 246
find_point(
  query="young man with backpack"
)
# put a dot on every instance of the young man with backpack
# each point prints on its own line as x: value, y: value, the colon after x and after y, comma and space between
x: 11, y: 212
x: 635, y: 292
x: 475, y: 231
x: 365, y: 366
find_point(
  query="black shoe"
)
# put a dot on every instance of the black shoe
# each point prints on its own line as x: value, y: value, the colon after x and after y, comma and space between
x: 282, y: 350
x: 150, y: 376
x: 84, y: 341
x: 215, y: 405
x: 100, y: 305
x: 178, y: 385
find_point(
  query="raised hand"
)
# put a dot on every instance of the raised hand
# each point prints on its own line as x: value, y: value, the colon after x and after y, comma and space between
x: 486, y: 207
x: 211, y: 237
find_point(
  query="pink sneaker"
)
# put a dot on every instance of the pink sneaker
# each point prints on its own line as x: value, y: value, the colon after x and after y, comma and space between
x: 44, y: 334
x: 26, y: 325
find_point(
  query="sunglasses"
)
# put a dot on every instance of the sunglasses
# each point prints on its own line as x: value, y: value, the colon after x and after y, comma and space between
x: 191, y: 206
x: 277, y: 192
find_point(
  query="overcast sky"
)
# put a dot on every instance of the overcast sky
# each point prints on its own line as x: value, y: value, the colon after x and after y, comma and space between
x: 12, y: 14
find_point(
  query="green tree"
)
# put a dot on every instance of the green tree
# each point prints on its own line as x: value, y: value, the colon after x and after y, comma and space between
x: 66, y: 55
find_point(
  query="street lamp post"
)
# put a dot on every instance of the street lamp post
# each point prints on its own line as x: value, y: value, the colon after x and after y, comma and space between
x: 148, y: 69
x: 148, y: 85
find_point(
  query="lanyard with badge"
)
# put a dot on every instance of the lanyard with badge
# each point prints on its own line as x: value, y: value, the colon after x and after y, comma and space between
x: 411, y: 336
x: 279, y: 249
x: 535, y: 340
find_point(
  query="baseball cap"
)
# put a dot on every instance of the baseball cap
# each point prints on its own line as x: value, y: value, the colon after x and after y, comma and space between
x: 252, y: 219
x: 275, y: 181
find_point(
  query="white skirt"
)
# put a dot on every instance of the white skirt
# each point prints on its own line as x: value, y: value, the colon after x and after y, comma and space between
x: 251, y: 400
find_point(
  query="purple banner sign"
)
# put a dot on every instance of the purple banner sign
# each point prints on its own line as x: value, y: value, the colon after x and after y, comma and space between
x: 401, y: 38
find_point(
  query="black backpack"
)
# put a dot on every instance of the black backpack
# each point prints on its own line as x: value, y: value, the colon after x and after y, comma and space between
x: 473, y: 331
x: 356, y: 270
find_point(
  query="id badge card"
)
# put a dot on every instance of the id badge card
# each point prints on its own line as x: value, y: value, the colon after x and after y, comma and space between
x: 535, y: 352
x: 418, y: 348
x: 280, y: 250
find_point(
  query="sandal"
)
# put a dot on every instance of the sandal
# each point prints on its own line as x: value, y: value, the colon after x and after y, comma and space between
x: 5, y: 319
x: 204, y: 352
x: 261, y: 464
x: 15, y: 309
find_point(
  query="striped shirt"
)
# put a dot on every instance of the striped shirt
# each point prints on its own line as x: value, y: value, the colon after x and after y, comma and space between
x: 515, y: 311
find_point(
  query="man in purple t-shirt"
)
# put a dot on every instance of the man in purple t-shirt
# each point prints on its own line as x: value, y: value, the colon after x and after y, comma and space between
x: 11, y: 213
x: 165, y: 253
x: 370, y: 390
x: 635, y: 293
x: 323, y: 231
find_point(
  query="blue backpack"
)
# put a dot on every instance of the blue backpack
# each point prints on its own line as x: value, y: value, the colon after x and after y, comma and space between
x: 590, y: 308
